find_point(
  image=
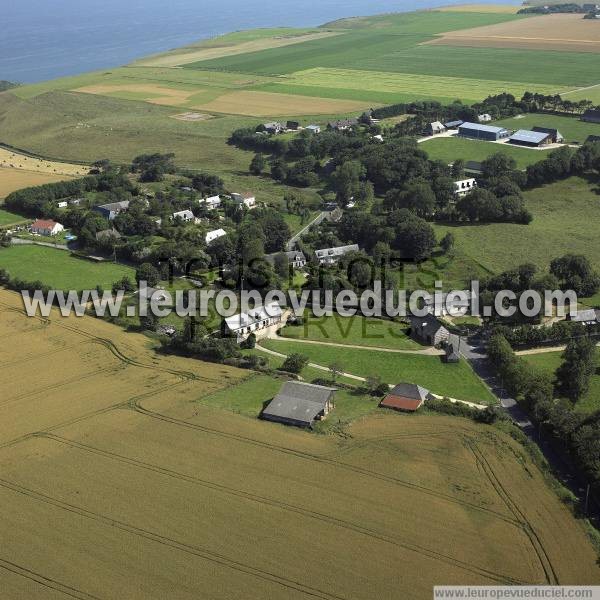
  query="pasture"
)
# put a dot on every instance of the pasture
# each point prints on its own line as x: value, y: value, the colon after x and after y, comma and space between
x: 456, y: 381
x: 565, y: 217
x: 224, y: 506
x: 449, y: 149
x: 60, y: 270
x: 548, y: 362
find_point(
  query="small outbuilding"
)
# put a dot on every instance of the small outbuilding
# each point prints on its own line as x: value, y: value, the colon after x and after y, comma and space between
x: 452, y: 355
x: 407, y: 397
x: 435, y: 128
x: 300, y: 404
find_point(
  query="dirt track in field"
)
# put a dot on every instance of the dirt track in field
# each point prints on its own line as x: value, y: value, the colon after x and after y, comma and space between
x: 563, y: 32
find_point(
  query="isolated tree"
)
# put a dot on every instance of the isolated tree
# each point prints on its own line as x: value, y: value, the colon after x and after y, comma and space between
x: 294, y: 363
x: 335, y: 369
x: 148, y: 273
x: 579, y: 364
x: 257, y: 165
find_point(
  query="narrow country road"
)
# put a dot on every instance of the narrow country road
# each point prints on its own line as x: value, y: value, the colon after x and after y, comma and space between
x: 425, y: 352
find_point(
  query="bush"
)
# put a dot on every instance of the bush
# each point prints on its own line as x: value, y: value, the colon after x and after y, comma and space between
x: 294, y: 363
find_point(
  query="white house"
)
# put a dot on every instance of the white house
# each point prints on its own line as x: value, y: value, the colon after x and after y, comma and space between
x: 49, y: 228
x: 485, y: 118
x: 463, y: 187
x: 246, y: 199
x: 261, y: 321
x: 183, y: 215
x: 329, y: 256
x: 313, y: 128
x: 212, y: 202
x: 62, y: 204
x: 211, y: 236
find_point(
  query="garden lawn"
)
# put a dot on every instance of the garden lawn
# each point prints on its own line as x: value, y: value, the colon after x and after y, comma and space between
x: 550, y: 361
x: 357, y: 330
x: 60, y: 270
x: 450, y: 149
x: 8, y: 218
x: 457, y: 380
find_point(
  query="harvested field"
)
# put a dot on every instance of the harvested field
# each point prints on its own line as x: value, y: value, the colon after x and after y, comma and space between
x: 16, y: 161
x: 259, y: 104
x: 561, y: 32
x: 481, y: 8
x: 15, y: 179
x: 115, y: 484
x: 155, y: 94
x: 184, y: 57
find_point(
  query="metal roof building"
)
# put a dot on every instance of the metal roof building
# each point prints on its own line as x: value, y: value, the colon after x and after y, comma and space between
x: 478, y: 131
x: 523, y: 137
x: 300, y: 404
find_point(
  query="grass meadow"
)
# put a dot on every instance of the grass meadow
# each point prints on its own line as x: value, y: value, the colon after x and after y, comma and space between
x: 572, y: 128
x: 60, y: 270
x: 453, y: 148
x: 457, y: 380
x: 7, y: 218
x: 565, y: 217
x: 548, y: 362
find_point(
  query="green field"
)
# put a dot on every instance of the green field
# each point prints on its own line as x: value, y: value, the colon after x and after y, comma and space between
x: 355, y: 330
x: 457, y: 381
x: 565, y: 220
x: 58, y: 269
x: 451, y: 149
x: 550, y: 361
x: 8, y: 218
x: 572, y: 128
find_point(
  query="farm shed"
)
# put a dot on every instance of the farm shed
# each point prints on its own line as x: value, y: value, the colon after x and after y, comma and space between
x: 483, y: 132
x: 532, y: 139
x: 428, y: 330
x: 300, y: 404
x: 407, y: 397
x: 453, y: 124
x: 591, y: 116
x: 556, y: 136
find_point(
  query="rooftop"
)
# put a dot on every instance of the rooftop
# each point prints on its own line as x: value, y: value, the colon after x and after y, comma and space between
x: 299, y: 401
x: 531, y: 137
x: 480, y: 127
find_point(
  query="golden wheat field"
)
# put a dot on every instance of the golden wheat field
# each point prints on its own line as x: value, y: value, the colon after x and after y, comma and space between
x: 116, y: 484
x: 12, y: 180
x: 16, y: 160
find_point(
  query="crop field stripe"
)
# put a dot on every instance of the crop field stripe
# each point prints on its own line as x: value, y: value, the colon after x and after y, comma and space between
x: 283, y: 506
x: 45, y: 581
x: 198, y: 551
x: 536, y: 543
x: 324, y: 460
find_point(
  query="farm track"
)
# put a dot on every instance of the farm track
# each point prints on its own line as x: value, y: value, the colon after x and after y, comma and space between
x: 323, y: 460
x: 44, y: 581
x: 197, y: 551
x: 544, y: 559
x: 32, y: 357
x: 283, y: 506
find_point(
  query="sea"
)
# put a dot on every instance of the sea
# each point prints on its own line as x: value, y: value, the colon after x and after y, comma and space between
x: 46, y: 39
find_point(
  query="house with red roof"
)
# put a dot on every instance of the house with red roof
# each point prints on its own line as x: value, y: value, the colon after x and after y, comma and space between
x: 46, y: 227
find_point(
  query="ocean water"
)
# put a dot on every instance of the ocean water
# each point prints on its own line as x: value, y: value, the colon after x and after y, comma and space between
x: 45, y: 39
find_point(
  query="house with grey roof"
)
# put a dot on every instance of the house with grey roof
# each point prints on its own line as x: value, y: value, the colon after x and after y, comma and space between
x: 300, y: 404
x: 428, y: 330
x: 262, y: 321
x: 330, y: 256
x: 342, y: 124
x: 589, y: 316
x: 295, y: 258
x: 111, y: 210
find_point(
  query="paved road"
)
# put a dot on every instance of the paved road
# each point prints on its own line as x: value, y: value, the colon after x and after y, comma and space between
x: 475, y: 352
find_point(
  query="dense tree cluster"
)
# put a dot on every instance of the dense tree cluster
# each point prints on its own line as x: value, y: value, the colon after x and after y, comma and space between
x: 153, y: 167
